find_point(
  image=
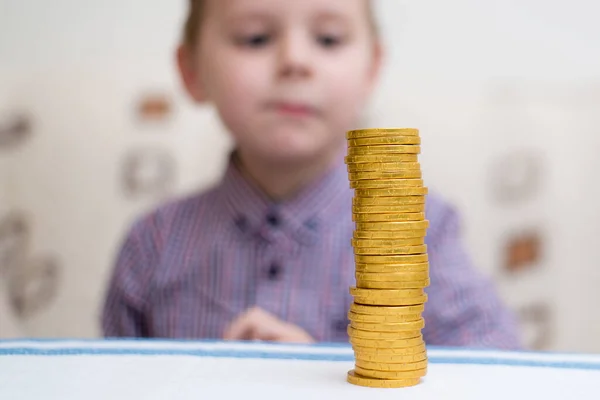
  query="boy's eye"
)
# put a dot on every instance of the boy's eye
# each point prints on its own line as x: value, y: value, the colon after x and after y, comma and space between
x: 255, y: 40
x: 329, y: 40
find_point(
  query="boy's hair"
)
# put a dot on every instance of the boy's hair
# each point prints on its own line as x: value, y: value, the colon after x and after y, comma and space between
x: 196, y: 12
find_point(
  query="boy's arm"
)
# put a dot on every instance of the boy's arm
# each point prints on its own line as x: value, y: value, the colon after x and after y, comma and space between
x: 463, y: 308
x: 123, y: 314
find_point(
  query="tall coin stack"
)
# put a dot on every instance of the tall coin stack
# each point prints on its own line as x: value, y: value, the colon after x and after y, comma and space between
x: 392, y: 267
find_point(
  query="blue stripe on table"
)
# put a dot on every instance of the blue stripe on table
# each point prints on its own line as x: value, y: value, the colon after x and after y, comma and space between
x: 24, y: 350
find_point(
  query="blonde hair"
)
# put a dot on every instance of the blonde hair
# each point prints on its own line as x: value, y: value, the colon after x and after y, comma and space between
x: 196, y: 13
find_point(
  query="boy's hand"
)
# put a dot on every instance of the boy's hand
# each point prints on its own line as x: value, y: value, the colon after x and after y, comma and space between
x: 257, y: 324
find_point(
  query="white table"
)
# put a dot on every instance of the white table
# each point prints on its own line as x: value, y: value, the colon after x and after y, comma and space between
x: 136, y: 369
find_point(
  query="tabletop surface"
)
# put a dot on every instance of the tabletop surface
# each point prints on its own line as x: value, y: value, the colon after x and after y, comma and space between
x: 151, y: 369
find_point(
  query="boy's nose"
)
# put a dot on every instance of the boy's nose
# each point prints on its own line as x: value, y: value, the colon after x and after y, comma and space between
x: 295, y: 56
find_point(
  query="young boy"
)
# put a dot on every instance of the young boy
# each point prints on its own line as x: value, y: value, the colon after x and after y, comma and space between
x: 266, y: 254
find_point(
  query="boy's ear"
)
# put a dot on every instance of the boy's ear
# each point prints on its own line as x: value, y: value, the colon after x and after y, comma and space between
x: 190, y: 76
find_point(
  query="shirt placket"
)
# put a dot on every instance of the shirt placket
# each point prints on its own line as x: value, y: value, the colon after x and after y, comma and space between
x: 273, y: 266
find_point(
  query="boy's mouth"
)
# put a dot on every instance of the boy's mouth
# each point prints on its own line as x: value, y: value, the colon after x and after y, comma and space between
x: 293, y: 109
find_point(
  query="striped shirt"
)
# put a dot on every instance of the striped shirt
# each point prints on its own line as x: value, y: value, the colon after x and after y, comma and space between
x: 189, y: 268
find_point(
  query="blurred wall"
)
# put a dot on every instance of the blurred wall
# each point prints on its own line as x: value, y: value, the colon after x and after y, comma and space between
x: 506, y: 95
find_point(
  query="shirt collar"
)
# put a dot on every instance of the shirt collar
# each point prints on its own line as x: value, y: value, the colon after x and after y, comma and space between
x: 315, y: 208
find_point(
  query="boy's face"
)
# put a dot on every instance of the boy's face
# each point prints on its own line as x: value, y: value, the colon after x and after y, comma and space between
x: 288, y: 77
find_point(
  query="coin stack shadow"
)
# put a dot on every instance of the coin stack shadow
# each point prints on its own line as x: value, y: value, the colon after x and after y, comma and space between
x: 392, y: 266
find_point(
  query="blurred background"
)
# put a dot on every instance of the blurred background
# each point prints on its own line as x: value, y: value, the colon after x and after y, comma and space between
x: 95, y: 130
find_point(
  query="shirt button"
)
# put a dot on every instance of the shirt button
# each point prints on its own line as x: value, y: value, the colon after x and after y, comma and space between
x: 311, y: 224
x: 273, y: 219
x: 274, y: 271
x: 242, y: 223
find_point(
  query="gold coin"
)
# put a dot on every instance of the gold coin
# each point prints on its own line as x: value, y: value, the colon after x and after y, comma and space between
x: 375, y: 259
x: 386, y: 347
x: 381, y: 158
x: 383, y: 363
x: 409, y: 208
x: 392, y: 226
x: 422, y: 284
x: 376, y: 353
x: 383, y: 150
x: 418, y: 216
x: 386, y: 294
x: 406, y: 174
x: 388, y: 201
x: 417, y: 373
x: 390, y: 235
x: 385, y: 340
x: 383, y: 318
x: 377, y: 132
x: 393, y: 277
x: 387, y: 184
x: 373, y: 347
x: 391, y: 367
x: 408, y: 163
x: 390, y: 268
x: 388, y: 327
x: 409, y: 301
x: 370, y: 243
x: 408, y: 250
x: 390, y: 140
x: 398, y: 217
x: 391, y: 192
x: 355, y: 379
x: 374, y: 310
x: 370, y: 336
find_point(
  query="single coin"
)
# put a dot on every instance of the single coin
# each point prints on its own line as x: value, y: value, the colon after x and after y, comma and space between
x: 378, y: 301
x: 405, y: 174
x: 399, y: 259
x: 377, y: 132
x: 376, y: 353
x: 408, y: 250
x: 388, y: 327
x: 383, y: 150
x: 370, y: 243
x: 393, y: 277
x: 389, y: 342
x: 355, y: 379
x: 388, y: 201
x: 391, y: 311
x: 391, y: 192
x: 381, y: 158
x: 383, y: 318
x: 392, y: 374
x: 422, y: 284
x: 392, y: 226
x: 408, y: 163
x: 377, y: 141
x: 395, y: 339
x: 393, y: 294
x: 386, y: 347
x: 408, y: 208
x: 390, y: 235
x: 386, y: 362
x: 391, y: 367
x: 399, y: 217
x: 391, y: 268
x: 387, y: 184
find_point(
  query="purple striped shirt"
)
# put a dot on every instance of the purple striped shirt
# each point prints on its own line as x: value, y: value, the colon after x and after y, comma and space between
x: 189, y: 268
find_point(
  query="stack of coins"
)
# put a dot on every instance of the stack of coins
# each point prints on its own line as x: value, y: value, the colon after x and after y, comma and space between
x: 392, y: 267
